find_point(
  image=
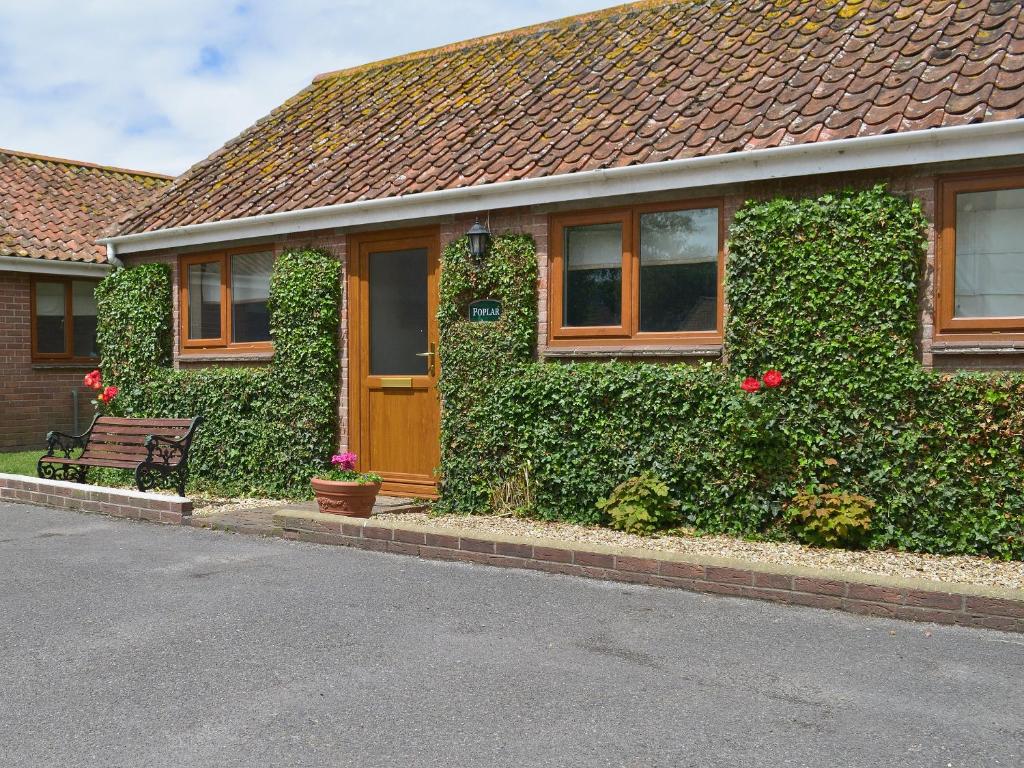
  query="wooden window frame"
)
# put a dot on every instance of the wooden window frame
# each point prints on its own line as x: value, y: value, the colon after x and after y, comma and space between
x: 223, y: 342
x: 628, y: 331
x: 68, y: 355
x: 948, y: 327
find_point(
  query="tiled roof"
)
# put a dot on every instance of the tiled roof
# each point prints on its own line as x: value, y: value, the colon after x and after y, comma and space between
x: 635, y: 84
x: 56, y: 209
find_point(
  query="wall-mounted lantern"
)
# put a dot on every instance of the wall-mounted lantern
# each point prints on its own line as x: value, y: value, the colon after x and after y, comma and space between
x: 479, y: 240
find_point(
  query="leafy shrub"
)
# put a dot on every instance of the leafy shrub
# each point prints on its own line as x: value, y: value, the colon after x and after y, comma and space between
x: 266, y: 429
x: 640, y: 505
x: 825, y: 517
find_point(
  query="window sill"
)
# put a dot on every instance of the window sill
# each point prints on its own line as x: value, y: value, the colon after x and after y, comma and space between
x: 251, y: 356
x: 57, y: 365
x: 978, y: 348
x: 704, y: 351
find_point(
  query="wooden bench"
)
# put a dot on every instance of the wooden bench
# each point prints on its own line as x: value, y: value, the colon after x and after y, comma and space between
x: 152, y: 448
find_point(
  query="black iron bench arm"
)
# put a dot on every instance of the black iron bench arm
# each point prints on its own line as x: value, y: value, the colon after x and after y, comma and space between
x: 66, y: 443
x: 167, y: 452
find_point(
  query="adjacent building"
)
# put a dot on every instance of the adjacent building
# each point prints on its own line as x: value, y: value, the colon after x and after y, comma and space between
x: 51, y: 213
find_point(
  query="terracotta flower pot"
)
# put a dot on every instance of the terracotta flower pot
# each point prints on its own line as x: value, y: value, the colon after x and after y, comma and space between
x: 342, y: 498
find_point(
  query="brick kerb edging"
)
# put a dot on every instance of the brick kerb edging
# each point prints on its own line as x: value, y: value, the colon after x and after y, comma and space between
x: 884, y: 596
x: 118, y: 502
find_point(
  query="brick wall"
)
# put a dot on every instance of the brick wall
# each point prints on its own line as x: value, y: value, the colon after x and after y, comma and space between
x: 34, y: 398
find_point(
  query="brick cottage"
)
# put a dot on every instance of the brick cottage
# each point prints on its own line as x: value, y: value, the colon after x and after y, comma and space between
x: 51, y: 213
x: 623, y: 141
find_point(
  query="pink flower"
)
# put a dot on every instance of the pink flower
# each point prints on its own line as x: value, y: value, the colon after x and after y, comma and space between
x: 772, y: 378
x: 344, y: 460
x: 93, y: 379
x: 750, y: 384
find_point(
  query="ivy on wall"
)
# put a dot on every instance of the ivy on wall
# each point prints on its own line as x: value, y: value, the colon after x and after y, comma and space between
x: 825, y: 290
x: 266, y: 429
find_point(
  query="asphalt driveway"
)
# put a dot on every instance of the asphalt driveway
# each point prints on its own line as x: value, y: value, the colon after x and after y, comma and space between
x: 129, y: 644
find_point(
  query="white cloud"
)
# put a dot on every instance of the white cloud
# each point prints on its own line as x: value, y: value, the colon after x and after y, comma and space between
x: 158, y: 84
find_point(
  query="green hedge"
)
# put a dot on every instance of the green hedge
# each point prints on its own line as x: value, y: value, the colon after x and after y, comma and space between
x: 266, y: 429
x: 825, y: 290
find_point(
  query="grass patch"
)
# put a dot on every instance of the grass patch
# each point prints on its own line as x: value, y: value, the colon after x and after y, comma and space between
x: 20, y: 462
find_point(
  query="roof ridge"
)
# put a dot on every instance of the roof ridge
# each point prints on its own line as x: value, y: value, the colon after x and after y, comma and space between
x: 529, y: 29
x: 83, y: 164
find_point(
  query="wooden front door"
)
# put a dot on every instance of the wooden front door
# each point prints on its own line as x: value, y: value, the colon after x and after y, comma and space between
x: 394, y: 412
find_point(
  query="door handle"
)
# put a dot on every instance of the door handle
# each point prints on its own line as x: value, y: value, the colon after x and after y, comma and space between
x: 431, y: 356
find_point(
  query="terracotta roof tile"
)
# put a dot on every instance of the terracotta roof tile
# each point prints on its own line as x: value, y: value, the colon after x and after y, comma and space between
x: 56, y: 209
x: 645, y: 82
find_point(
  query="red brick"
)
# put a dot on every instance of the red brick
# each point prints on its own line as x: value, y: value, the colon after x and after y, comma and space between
x: 378, y: 532
x: 439, y: 553
x: 511, y: 549
x: 724, y: 575
x: 867, y: 608
x: 927, y: 599
x: 552, y: 567
x: 994, y: 606
x: 593, y: 559
x: 874, y: 593
x: 403, y: 548
x: 678, y: 570
x: 552, y: 554
x: 636, y: 564
x: 773, y: 580
x: 441, y: 540
x: 934, y: 615
x: 719, y: 588
x: 410, y: 537
x: 819, y: 586
x: 814, y: 600
x: 477, y: 545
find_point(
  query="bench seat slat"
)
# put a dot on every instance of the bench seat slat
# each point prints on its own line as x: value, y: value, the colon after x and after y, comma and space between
x: 103, y: 453
x: 126, y: 422
x: 140, y: 430
x: 112, y: 463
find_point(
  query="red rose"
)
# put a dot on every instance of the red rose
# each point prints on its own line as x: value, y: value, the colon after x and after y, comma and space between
x: 750, y: 384
x: 108, y: 394
x: 93, y: 379
x: 772, y: 378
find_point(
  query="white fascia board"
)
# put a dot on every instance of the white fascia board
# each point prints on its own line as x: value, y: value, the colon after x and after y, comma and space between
x: 938, y: 145
x: 52, y: 267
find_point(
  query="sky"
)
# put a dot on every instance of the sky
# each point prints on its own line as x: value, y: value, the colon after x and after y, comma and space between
x: 158, y: 85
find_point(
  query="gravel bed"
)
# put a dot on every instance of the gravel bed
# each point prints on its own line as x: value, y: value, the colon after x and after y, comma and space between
x: 206, y: 506
x: 953, y: 569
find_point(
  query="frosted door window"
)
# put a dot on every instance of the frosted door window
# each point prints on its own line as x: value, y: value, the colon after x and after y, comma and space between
x: 990, y: 254
x: 679, y: 270
x: 398, y: 312
x: 593, y: 275
x: 250, y: 289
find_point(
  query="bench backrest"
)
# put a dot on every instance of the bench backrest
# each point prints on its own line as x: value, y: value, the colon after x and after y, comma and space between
x: 125, y: 439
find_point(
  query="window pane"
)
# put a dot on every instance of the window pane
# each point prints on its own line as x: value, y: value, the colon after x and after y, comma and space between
x: 990, y: 254
x: 83, y: 328
x: 593, y: 275
x: 398, y: 312
x: 250, y: 289
x: 204, y: 301
x: 679, y: 270
x: 50, y: 318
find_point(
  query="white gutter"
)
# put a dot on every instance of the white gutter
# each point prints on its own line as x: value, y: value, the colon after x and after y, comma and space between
x: 52, y: 267
x: 937, y: 145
